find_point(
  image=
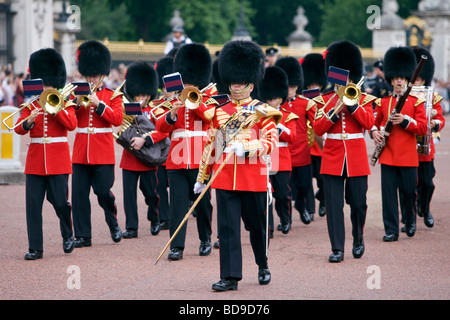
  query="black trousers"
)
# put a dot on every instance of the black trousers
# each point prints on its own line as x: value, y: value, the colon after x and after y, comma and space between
x: 404, y: 181
x: 316, y: 162
x: 147, y: 184
x: 425, y: 188
x: 354, y: 191
x: 231, y: 207
x: 56, y: 187
x: 181, y: 190
x: 302, y: 180
x: 282, y: 196
x: 161, y: 188
x: 101, y: 179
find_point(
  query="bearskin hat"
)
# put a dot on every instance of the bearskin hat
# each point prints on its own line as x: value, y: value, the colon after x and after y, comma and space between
x: 345, y: 55
x: 313, y: 67
x: 221, y: 88
x: 274, y: 84
x: 93, y: 59
x: 241, y: 62
x: 48, y: 65
x: 164, y: 66
x: 141, y: 78
x: 427, y: 72
x: 193, y: 62
x: 293, y: 70
x: 399, y: 62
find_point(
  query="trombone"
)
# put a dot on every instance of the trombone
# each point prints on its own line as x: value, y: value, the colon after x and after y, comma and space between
x: 85, y: 100
x: 191, y: 97
x: 349, y: 95
x: 50, y: 100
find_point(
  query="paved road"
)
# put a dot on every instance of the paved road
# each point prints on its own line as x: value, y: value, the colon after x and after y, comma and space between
x: 412, y: 268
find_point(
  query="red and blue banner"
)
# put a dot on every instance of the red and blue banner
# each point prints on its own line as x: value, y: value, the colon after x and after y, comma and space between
x: 338, y: 76
x: 82, y: 89
x: 33, y: 87
x: 221, y: 98
x: 311, y: 93
x: 133, y: 109
x: 173, y: 82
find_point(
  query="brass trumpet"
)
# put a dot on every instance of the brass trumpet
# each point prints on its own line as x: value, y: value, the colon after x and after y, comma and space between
x: 50, y: 100
x: 85, y: 101
x: 351, y: 94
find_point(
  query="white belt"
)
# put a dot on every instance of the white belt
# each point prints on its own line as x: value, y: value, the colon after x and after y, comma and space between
x: 282, y: 144
x: 344, y: 136
x: 188, y: 134
x: 94, y: 130
x: 48, y: 140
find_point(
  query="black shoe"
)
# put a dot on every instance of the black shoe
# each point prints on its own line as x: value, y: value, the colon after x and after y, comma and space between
x: 116, y: 234
x: 358, y: 249
x: 311, y: 215
x: 176, y: 254
x: 410, y: 229
x: 403, y: 229
x: 155, y: 227
x: 68, y: 244
x: 390, y: 237
x: 285, y: 228
x: 279, y: 227
x: 305, y: 217
x: 33, y: 255
x: 264, y: 276
x: 216, y: 244
x: 130, y: 233
x: 205, y: 248
x: 336, y: 256
x: 82, y: 242
x: 164, y: 225
x: 428, y: 220
x: 225, y: 285
x: 322, y: 210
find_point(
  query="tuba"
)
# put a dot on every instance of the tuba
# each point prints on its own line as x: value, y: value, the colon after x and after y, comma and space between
x: 50, y: 100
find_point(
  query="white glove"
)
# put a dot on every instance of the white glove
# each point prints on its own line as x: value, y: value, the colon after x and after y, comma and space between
x: 198, y: 187
x: 238, y: 148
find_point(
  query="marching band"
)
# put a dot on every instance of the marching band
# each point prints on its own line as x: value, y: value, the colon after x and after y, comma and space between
x: 245, y: 130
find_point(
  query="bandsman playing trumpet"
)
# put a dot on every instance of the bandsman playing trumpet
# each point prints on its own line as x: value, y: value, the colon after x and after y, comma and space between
x: 93, y: 149
x: 345, y: 165
x: 187, y: 128
x: 141, y: 86
x: 48, y: 162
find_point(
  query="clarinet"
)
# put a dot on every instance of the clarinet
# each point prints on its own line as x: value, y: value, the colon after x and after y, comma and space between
x: 397, y: 109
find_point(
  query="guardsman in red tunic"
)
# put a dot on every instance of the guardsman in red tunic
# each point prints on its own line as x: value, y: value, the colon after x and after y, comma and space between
x: 93, y: 158
x: 399, y: 159
x: 187, y: 130
x: 300, y: 150
x: 314, y: 76
x: 427, y: 171
x: 345, y: 165
x: 241, y: 185
x: 48, y: 162
x: 141, y: 86
x: 274, y: 91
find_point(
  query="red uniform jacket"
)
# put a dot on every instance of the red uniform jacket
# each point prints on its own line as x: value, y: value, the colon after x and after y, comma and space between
x: 247, y: 173
x: 345, y: 143
x: 129, y: 161
x: 44, y: 156
x: 401, y: 147
x: 187, y: 134
x: 440, y: 123
x: 94, y: 141
x: 287, y: 130
x: 305, y: 109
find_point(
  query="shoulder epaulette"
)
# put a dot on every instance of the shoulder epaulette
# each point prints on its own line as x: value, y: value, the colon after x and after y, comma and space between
x: 291, y: 116
x: 211, y: 101
x: 311, y: 104
x: 437, y: 98
x: 319, y: 99
x: 378, y: 102
x: 368, y: 98
x: 419, y: 101
x: 116, y: 94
